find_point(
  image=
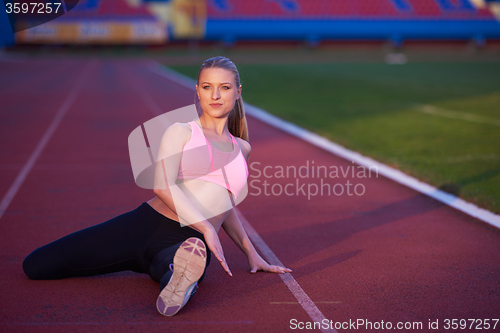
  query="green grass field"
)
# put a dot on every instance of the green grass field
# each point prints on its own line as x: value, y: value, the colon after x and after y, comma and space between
x: 439, y: 122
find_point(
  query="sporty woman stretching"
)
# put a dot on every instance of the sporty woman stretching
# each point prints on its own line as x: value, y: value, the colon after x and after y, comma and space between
x: 195, y: 193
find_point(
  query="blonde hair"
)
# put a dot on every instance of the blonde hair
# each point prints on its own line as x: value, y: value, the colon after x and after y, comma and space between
x: 236, y: 122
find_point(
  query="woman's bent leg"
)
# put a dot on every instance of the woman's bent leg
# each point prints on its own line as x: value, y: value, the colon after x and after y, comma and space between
x: 47, y: 263
x: 111, y: 246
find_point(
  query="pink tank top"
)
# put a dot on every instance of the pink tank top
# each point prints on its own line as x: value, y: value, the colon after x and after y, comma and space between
x: 200, y: 160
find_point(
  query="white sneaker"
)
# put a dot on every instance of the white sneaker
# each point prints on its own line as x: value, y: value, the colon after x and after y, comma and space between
x: 189, y: 264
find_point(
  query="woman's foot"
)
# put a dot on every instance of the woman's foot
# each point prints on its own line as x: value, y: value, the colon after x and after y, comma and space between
x: 189, y: 264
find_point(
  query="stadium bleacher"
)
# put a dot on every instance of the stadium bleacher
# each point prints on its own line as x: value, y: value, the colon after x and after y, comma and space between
x: 231, y: 20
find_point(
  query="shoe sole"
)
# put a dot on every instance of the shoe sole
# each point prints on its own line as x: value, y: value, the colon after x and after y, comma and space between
x: 189, y: 264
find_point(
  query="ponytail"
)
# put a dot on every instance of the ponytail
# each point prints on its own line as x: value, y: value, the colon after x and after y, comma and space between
x: 237, y: 122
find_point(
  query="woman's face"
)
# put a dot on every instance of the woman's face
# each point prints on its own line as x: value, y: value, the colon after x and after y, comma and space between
x: 217, y: 91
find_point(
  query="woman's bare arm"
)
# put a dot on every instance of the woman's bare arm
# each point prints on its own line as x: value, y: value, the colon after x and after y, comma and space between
x: 233, y: 227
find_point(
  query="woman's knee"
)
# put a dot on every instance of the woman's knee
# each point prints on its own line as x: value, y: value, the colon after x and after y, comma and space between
x: 31, y: 267
x: 44, y: 265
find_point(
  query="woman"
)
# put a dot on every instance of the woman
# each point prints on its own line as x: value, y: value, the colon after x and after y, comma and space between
x: 195, y: 192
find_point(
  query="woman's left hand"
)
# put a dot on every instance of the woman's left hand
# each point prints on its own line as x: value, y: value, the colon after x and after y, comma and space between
x: 259, y: 264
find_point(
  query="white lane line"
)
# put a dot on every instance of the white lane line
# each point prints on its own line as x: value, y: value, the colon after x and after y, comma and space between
x: 301, y: 296
x: 304, y: 300
x: 384, y: 170
x: 319, y: 141
x: 436, y: 111
x: 18, y: 182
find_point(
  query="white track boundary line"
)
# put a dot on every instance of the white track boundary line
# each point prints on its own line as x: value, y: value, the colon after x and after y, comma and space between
x: 336, y: 149
x: 384, y: 170
x: 297, y: 291
x: 303, y: 299
x: 18, y: 182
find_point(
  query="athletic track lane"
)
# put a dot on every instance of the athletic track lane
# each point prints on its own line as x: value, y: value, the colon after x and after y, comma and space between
x: 391, y: 254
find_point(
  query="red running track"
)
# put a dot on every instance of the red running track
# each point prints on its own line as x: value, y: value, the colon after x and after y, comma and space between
x: 389, y: 255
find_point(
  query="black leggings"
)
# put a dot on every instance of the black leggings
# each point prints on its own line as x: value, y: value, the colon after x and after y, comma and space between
x: 142, y: 240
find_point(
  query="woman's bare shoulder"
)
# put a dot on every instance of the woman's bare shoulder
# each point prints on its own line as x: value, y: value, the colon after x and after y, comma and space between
x: 176, y: 135
x: 244, y: 146
x: 179, y: 130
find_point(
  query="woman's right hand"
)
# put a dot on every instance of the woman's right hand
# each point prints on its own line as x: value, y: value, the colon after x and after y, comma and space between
x: 213, y: 242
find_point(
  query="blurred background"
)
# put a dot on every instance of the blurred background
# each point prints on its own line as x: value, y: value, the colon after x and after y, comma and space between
x: 412, y: 83
x: 312, y: 21
x: 162, y: 21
